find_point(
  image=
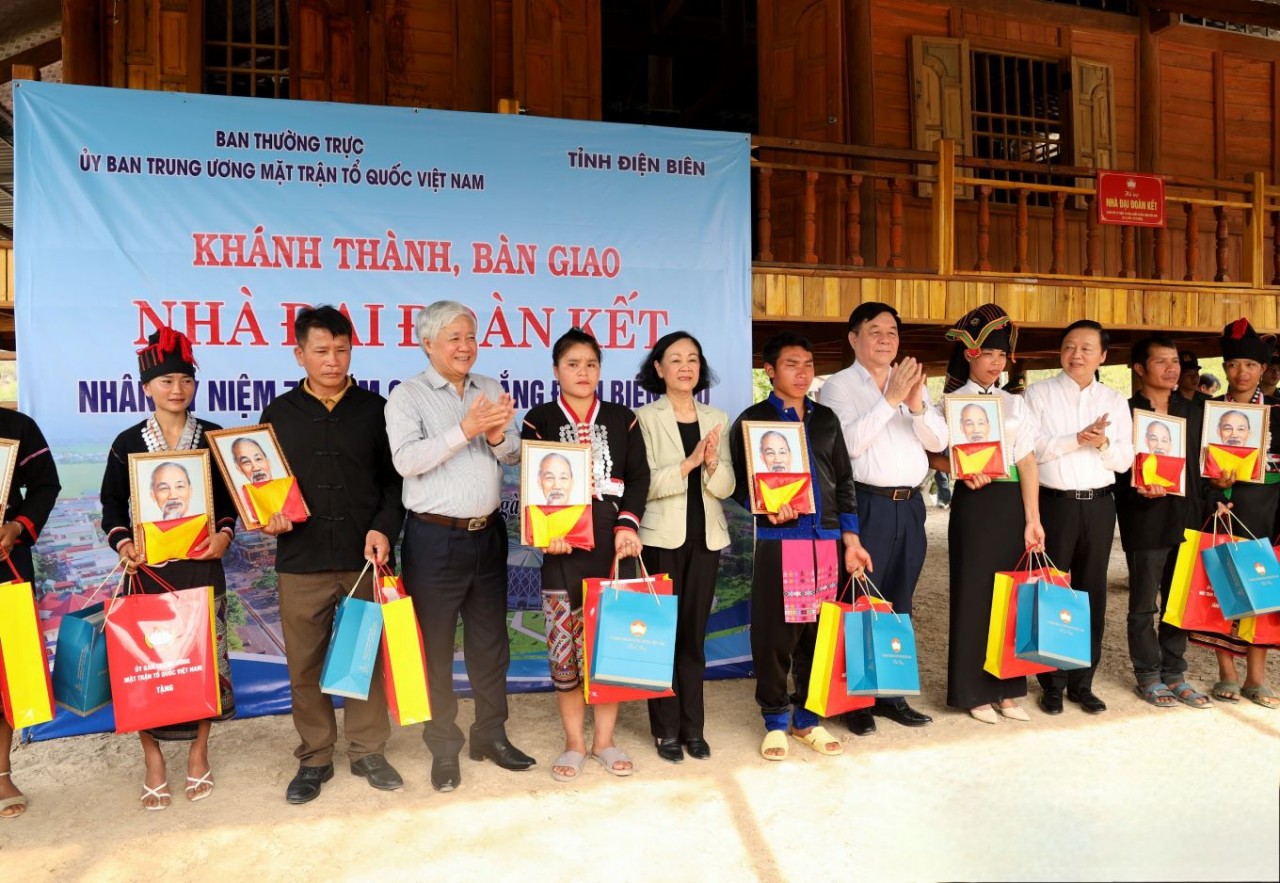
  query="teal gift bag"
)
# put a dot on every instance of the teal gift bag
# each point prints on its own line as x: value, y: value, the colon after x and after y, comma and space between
x: 880, y: 650
x: 81, y: 683
x: 635, y: 639
x: 353, y: 648
x: 1053, y: 626
x: 1244, y: 576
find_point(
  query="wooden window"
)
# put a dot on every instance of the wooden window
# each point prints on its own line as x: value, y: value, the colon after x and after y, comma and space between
x: 246, y: 48
x: 1017, y: 114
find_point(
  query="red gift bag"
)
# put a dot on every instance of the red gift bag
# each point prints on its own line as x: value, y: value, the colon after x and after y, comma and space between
x: 26, y: 687
x: 1192, y: 604
x: 404, y: 657
x: 1001, y: 658
x: 161, y: 658
x: 594, y: 692
x: 828, y: 694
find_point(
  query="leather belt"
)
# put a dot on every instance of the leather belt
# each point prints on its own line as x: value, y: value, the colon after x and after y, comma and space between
x: 470, y: 524
x: 897, y: 494
x: 1094, y: 494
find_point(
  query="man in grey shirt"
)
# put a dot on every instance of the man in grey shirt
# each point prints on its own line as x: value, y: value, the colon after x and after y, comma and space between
x: 450, y: 432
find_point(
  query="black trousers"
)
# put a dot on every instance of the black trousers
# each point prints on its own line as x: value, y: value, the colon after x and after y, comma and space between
x: 453, y: 573
x: 693, y: 576
x: 778, y: 648
x: 1158, y: 652
x: 1078, y: 537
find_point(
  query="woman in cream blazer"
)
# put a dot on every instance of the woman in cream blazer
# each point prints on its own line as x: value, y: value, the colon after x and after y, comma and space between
x: 683, y: 528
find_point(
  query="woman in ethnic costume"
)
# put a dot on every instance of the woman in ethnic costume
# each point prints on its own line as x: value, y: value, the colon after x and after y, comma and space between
x: 1244, y: 356
x: 620, y: 486
x: 168, y: 377
x: 993, y: 522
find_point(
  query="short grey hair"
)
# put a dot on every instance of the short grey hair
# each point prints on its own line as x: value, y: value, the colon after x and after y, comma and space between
x: 432, y: 319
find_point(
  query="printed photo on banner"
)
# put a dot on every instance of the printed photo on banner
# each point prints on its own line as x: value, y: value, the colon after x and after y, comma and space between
x: 8, y: 461
x: 975, y: 429
x: 258, y: 474
x: 555, y: 494
x: 777, y: 466
x: 1235, y: 441
x: 1160, y: 452
x: 171, y: 502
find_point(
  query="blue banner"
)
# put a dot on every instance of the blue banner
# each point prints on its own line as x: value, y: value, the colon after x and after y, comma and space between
x: 224, y: 216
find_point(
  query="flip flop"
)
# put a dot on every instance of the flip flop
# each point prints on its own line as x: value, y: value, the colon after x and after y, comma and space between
x: 774, y: 739
x: 1258, y: 693
x: 194, y: 784
x: 611, y: 755
x: 575, y: 759
x: 1189, y: 695
x: 818, y: 739
x: 159, y: 792
x: 1227, y: 691
x: 1153, y: 693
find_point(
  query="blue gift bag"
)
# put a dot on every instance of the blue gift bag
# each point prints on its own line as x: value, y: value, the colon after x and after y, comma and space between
x: 1053, y: 626
x: 1244, y: 576
x: 353, y: 649
x: 635, y: 640
x: 880, y: 654
x: 81, y: 683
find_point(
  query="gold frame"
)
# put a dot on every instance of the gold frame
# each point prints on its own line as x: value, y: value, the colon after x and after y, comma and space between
x: 242, y: 508
x: 135, y: 498
x: 580, y: 453
x: 953, y: 405
x: 749, y: 455
x: 1263, y: 413
x: 6, y: 476
x: 1140, y: 415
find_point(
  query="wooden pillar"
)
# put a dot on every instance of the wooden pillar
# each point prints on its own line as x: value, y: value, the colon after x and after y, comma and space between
x: 1148, y: 122
x: 862, y: 110
x: 82, y: 51
x: 1252, y: 257
x: 944, y: 208
x: 474, y: 63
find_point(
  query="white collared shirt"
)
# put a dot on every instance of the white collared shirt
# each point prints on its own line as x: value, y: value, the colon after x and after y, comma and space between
x: 1019, y: 435
x: 886, y: 444
x: 1062, y: 409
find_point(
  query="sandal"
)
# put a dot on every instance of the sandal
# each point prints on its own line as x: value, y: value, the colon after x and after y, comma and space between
x: 1157, y: 694
x: 193, y: 785
x: 1227, y: 691
x: 1258, y: 694
x: 774, y: 740
x: 1189, y: 695
x: 160, y: 792
x: 8, y: 803
x: 820, y: 741
x: 573, y: 759
x: 611, y: 755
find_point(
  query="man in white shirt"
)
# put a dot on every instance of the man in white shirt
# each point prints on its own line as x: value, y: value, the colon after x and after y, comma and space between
x: 888, y: 426
x: 1085, y: 438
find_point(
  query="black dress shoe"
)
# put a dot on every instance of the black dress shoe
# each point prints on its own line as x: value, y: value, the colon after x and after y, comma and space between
x: 381, y: 775
x: 698, y: 748
x: 669, y: 750
x: 305, y: 786
x: 1051, y: 700
x: 445, y: 773
x: 503, y: 753
x: 902, y: 713
x: 860, y: 722
x: 1088, y: 701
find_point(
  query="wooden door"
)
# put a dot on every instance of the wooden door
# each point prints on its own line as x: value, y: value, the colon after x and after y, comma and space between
x: 803, y: 95
x: 556, y: 57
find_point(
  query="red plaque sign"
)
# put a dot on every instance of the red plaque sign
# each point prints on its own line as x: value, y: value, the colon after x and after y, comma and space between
x: 1130, y: 198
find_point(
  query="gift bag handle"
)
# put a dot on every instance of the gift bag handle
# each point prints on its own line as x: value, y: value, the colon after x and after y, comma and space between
x: 641, y: 569
x: 368, y: 562
x: 867, y: 588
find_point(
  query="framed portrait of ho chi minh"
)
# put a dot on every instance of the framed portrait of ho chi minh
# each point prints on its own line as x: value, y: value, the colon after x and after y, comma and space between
x: 170, y: 503
x: 1160, y: 452
x: 777, y: 455
x: 1235, y: 441
x: 258, y: 474
x: 975, y: 435
x: 8, y: 463
x: 555, y: 494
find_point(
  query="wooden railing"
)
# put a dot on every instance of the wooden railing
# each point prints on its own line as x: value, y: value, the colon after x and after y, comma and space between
x: 864, y: 208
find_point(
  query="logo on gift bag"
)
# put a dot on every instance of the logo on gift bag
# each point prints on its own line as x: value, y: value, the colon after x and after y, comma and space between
x: 159, y: 638
x: 896, y: 645
x: 638, y: 629
x: 1065, y: 616
x: 1259, y: 568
